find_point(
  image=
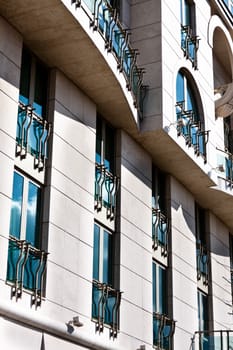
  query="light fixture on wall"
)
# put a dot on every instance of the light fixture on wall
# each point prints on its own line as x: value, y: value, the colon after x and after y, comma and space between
x: 75, y: 322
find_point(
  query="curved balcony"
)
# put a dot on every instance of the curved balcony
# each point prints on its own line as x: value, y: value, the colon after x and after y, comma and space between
x: 91, y: 48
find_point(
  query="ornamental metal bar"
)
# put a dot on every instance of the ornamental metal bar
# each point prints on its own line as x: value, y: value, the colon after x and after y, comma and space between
x: 32, y: 136
x: 213, y: 340
x: 160, y: 230
x: 191, y: 130
x: 166, y: 330
x: 105, y: 19
x: 227, y: 167
x: 107, y: 308
x: 189, y: 44
x: 106, y: 189
x: 202, y: 262
x: 39, y: 275
x: 26, y: 269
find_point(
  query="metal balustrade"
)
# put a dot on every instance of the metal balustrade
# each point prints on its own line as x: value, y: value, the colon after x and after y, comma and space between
x: 105, y: 19
x: 105, y: 307
x: 202, y: 263
x: 32, y: 135
x: 189, y: 44
x: 191, y: 130
x: 26, y: 269
x: 225, y: 166
x: 163, y: 331
x: 213, y: 340
x: 160, y: 230
x: 106, y: 188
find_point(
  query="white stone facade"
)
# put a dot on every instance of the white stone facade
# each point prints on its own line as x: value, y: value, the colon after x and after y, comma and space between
x: 87, y: 84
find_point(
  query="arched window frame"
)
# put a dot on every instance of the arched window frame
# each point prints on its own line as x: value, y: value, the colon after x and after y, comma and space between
x: 189, y: 113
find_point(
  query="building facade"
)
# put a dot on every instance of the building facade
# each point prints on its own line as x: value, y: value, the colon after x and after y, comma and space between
x: 116, y: 168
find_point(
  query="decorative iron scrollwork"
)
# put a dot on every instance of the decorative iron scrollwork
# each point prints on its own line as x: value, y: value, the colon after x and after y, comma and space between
x: 106, y: 188
x: 105, y: 307
x: 105, y: 20
x: 26, y: 269
x: 189, y: 44
x: 32, y: 135
x: 191, y: 130
x: 163, y: 331
x: 160, y: 231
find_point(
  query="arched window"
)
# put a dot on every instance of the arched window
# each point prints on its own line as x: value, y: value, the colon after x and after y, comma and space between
x: 190, y: 121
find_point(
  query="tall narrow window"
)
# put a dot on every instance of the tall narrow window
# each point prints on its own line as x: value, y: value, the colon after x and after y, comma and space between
x: 106, y: 182
x: 32, y: 128
x: 163, y: 326
x: 160, y: 222
x: 190, y: 123
x: 201, y: 246
x: 189, y: 40
x: 202, y: 302
x: 105, y: 298
x: 26, y: 260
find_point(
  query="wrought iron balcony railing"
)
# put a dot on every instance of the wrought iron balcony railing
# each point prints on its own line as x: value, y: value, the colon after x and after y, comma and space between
x: 26, y: 269
x: 160, y: 231
x: 202, y: 263
x: 189, y: 44
x: 32, y: 135
x: 105, y: 19
x: 106, y: 188
x: 191, y: 129
x: 213, y: 340
x: 105, y: 307
x: 163, y: 331
x: 225, y: 166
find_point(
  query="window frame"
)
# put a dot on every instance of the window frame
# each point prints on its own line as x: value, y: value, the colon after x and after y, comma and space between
x: 27, y: 180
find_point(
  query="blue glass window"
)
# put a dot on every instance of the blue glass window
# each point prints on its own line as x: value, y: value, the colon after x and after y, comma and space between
x: 32, y: 130
x: 202, y: 301
x: 102, y: 255
x: 159, y: 289
x: 191, y: 126
x: 16, y: 205
x: 26, y: 262
x: 105, y: 144
x: 25, y: 210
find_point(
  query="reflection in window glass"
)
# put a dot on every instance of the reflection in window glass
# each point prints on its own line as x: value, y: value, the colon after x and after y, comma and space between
x: 16, y: 205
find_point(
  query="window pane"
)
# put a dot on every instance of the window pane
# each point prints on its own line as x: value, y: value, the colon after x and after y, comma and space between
x: 107, y: 265
x: 180, y: 87
x: 162, y: 291
x: 96, y: 252
x: 202, y: 311
x: 98, y: 141
x: 33, y: 215
x: 154, y: 287
x: 40, y: 92
x: 25, y: 77
x: 16, y: 205
x: 109, y: 148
